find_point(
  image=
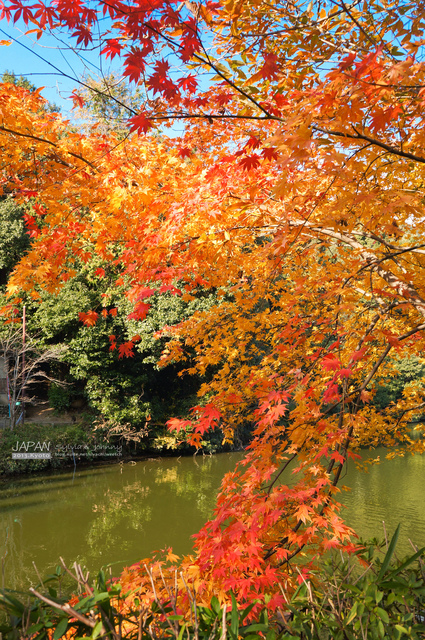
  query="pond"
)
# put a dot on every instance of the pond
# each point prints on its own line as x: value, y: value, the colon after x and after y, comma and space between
x: 121, y: 513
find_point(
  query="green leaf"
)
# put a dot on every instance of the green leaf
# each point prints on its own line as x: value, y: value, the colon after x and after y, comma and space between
x: 234, y: 620
x: 381, y: 613
x: 406, y: 563
x: 257, y: 627
x: 101, y: 597
x: 12, y: 600
x: 61, y: 628
x: 52, y: 592
x: 101, y: 581
x: 34, y: 628
x: 215, y: 605
x: 389, y: 554
x: 97, y: 629
x: 352, y: 614
x: 393, y: 584
x: 400, y: 628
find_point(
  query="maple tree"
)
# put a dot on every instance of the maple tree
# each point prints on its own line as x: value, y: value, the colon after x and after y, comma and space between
x: 296, y: 193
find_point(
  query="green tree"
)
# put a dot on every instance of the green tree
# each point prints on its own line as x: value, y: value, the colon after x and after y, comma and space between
x: 408, y: 371
x: 14, y: 239
x: 129, y: 395
x: 108, y: 103
x: 21, y: 81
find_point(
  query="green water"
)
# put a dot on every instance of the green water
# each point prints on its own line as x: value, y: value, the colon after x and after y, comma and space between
x: 121, y: 513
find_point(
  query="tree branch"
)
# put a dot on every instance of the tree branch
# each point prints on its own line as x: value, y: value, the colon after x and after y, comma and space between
x: 49, y: 142
x: 377, y: 143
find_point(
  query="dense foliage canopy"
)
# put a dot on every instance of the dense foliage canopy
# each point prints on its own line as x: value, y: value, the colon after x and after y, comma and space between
x: 295, y: 194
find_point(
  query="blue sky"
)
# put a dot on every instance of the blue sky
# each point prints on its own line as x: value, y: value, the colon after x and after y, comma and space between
x: 54, y: 63
x: 28, y: 57
x: 48, y: 61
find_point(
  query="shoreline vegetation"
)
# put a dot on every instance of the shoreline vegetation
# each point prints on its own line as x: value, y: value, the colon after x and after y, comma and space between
x: 52, y: 446
x: 371, y: 594
x: 75, y: 442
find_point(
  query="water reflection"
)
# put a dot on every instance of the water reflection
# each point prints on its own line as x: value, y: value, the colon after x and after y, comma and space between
x: 121, y: 513
x: 391, y: 492
x: 113, y: 514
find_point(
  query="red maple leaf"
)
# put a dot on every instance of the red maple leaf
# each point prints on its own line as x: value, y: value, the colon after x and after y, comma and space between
x: 140, y: 123
x: 176, y: 424
x: 270, y: 68
x: 160, y: 81
x: 223, y: 99
x: 330, y: 363
x: 194, y: 439
x: 338, y: 457
x: 331, y: 393
x: 77, y: 100
x: 253, y: 143
x: 347, y: 61
x: 344, y: 373
x: 269, y: 153
x: 140, y: 311
x: 45, y: 15
x: 112, y: 48
x: 145, y: 293
x: 134, y: 64
x: 189, y: 83
x: 209, y: 416
x: 358, y: 355
x: 125, y: 350
x: 250, y: 162
x: 303, y: 513
x: 21, y: 12
x: 171, y: 288
x: 83, y: 34
x: 31, y: 224
x: 190, y: 40
x: 88, y: 318
x: 185, y: 152
x: 39, y: 209
x: 353, y: 456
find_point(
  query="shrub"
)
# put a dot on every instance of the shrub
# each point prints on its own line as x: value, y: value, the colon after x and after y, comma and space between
x: 59, y: 398
x: 361, y: 597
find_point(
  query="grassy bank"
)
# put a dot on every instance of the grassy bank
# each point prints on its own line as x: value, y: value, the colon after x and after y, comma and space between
x: 60, y: 445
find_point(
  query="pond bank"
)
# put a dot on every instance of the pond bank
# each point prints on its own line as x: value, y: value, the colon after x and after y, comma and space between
x: 37, y: 448
x: 34, y: 447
